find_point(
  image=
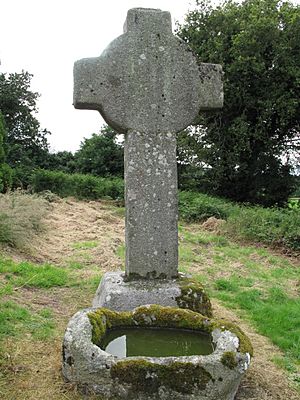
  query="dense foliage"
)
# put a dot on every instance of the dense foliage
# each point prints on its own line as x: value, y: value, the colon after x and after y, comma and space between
x: 27, y: 147
x: 258, y: 44
x: 101, y: 155
x: 64, y: 161
x: 26, y: 143
x: 78, y: 185
x: 277, y: 227
x: 297, y: 187
x: 5, y: 170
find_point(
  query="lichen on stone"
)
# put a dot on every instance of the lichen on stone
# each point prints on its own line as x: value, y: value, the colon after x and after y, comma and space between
x: 193, y: 297
x: 229, y: 359
x: 134, y: 276
x: 146, y: 376
x: 245, y: 345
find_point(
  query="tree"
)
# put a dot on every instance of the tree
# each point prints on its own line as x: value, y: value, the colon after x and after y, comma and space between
x: 26, y: 143
x: 5, y: 170
x: 243, y: 146
x: 190, y: 166
x: 101, y: 155
x: 62, y: 161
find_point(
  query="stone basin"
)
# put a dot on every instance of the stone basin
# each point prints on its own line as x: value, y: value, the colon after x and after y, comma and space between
x: 214, y: 376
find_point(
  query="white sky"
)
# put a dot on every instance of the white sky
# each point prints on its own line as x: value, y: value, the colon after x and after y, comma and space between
x: 46, y: 37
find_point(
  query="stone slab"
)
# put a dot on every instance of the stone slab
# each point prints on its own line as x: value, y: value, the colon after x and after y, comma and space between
x: 117, y: 294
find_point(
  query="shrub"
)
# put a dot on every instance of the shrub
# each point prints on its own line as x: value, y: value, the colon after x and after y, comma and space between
x: 198, y: 207
x: 5, y: 170
x: 267, y: 225
x: 20, y: 217
x: 78, y: 185
x: 5, y: 178
x: 294, y: 203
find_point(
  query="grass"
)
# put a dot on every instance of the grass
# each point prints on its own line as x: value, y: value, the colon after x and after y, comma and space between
x: 262, y: 287
x: 36, y: 302
x: 276, y: 227
x: 15, y: 320
x: 20, y: 218
x: 121, y: 252
x: 275, y: 313
x: 31, y: 275
x: 85, y: 245
x: 198, y: 207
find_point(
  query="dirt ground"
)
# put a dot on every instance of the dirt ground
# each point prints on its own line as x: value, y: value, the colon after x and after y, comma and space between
x: 92, y: 233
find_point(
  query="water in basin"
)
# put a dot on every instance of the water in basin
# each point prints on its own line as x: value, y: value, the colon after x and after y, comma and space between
x: 155, y: 342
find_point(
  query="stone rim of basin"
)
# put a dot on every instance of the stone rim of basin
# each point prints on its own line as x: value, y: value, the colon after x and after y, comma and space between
x: 88, y: 365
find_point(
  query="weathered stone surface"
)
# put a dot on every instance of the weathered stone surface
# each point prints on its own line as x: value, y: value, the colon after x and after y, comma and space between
x: 149, y: 85
x: 211, y: 377
x: 147, y: 80
x: 151, y: 233
x: 117, y: 294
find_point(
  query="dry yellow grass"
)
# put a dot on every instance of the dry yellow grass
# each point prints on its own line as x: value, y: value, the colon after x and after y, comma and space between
x: 20, y: 217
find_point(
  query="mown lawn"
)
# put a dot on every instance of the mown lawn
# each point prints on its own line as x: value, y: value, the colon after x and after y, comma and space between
x: 261, y: 286
x: 36, y: 302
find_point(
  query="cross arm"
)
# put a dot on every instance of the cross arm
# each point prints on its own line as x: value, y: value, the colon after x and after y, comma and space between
x: 211, y: 88
x: 86, y: 91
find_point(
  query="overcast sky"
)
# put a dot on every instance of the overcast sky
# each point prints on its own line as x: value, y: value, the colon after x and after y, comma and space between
x: 45, y: 37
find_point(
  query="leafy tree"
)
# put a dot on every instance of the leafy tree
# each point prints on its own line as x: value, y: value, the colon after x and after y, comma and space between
x: 5, y: 170
x: 297, y: 187
x: 2, y: 136
x: 62, y: 161
x: 191, y: 169
x: 101, y: 155
x: 242, y: 146
x: 26, y: 143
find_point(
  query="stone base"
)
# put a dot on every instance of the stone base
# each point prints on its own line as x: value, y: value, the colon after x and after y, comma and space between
x: 117, y: 294
x: 210, y: 377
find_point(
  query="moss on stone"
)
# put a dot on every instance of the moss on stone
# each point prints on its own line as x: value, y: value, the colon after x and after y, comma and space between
x: 193, y: 297
x: 103, y: 319
x: 158, y: 316
x: 143, y: 375
x: 229, y: 359
x: 98, y: 322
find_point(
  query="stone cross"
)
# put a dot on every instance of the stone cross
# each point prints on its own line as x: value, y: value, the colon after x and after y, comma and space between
x: 149, y: 85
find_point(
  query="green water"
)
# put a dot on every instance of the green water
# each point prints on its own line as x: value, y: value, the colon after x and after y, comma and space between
x: 155, y: 342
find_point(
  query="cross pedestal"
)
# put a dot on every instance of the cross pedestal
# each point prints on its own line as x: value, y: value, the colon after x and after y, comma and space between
x: 148, y: 85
